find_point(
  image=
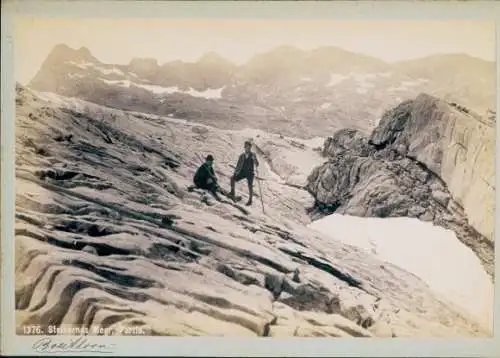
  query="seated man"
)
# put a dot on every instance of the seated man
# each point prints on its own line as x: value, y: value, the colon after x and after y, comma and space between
x: 205, y: 178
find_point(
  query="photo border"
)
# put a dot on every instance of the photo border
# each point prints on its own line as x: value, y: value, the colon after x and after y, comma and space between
x: 284, y: 10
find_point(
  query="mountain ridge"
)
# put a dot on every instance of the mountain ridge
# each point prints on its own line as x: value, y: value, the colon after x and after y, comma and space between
x: 215, y: 54
x: 303, y: 95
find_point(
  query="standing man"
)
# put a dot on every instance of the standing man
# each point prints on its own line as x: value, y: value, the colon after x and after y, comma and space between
x: 205, y: 178
x: 245, y: 169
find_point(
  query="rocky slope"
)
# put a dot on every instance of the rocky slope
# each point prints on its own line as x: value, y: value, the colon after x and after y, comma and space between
x: 286, y: 90
x: 426, y: 159
x: 107, y: 235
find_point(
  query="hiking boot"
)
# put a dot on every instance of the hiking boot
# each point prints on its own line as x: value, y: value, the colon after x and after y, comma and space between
x: 204, y: 199
x: 249, y: 202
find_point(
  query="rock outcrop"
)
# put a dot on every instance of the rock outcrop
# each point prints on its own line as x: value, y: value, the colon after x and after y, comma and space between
x: 108, y: 236
x: 426, y: 159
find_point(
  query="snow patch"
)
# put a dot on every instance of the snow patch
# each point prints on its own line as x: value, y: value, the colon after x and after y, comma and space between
x: 430, y: 252
x: 83, y: 65
x: 121, y: 83
x: 109, y: 71
x: 209, y: 93
x: 326, y: 105
x: 363, y: 82
x: 103, y: 70
x: 335, y: 79
x: 406, y: 85
x: 75, y: 75
x: 363, y: 77
x: 409, y: 83
x: 158, y: 89
x: 61, y: 101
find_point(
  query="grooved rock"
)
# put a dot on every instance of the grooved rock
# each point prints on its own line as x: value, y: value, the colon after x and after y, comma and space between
x: 455, y: 144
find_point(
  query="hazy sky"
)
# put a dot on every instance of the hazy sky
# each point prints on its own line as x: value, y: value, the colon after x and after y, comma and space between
x: 119, y: 40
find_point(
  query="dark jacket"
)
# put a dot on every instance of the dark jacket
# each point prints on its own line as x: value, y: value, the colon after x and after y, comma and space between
x: 204, y: 172
x: 246, y: 165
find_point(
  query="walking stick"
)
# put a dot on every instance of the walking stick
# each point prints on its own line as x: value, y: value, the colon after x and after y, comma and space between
x: 260, y: 192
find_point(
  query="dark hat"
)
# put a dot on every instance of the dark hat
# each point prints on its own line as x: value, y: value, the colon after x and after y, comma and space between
x: 210, y: 158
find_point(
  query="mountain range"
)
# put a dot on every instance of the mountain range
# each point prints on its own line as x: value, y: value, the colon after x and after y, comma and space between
x: 285, y: 90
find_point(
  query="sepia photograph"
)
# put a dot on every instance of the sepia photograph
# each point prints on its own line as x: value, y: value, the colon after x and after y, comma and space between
x: 258, y: 177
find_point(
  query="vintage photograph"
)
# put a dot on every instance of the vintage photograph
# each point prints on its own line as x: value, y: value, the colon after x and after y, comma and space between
x: 254, y: 178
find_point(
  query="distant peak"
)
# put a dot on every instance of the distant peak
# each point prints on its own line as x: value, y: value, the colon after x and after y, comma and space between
x: 143, y: 61
x: 62, y: 47
x: 333, y: 50
x: 84, y: 51
x: 62, y: 53
x: 213, y: 57
x: 210, y: 55
x: 288, y: 48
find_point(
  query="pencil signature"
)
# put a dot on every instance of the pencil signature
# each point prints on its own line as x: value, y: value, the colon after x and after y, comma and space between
x: 74, y: 344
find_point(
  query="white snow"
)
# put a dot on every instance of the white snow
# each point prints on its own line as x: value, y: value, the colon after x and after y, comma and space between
x: 270, y: 174
x: 430, y: 252
x: 75, y: 75
x: 405, y: 85
x: 376, y: 121
x: 409, y: 83
x: 122, y: 83
x: 61, y: 101
x: 363, y: 79
x: 83, y: 65
x: 170, y: 118
x: 209, y: 93
x: 326, y: 105
x: 158, y: 89
x: 105, y: 71
x: 335, y: 79
x: 108, y: 71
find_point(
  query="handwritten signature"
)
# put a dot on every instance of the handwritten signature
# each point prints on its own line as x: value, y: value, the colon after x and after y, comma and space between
x: 76, y: 344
